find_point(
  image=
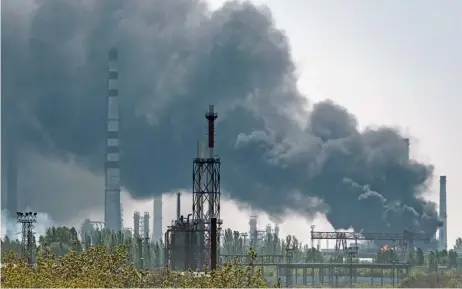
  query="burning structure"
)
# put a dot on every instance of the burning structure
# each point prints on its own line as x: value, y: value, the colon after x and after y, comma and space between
x: 192, y: 242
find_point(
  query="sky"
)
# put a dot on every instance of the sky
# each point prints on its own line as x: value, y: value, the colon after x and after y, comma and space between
x: 390, y: 63
x: 393, y: 63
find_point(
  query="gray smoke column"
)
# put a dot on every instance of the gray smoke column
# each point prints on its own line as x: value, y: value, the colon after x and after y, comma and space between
x: 176, y: 58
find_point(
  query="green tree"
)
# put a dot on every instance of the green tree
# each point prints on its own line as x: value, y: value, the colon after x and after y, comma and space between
x: 420, y: 259
x: 458, y: 243
x: 432, y: 262
x: 452, y: 259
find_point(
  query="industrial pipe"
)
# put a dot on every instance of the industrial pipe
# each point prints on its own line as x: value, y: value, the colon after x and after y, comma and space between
x: 178, y: 205
x: 213, y: 244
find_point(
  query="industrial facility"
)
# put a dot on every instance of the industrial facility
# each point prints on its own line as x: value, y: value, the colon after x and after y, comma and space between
x: 193, y: 240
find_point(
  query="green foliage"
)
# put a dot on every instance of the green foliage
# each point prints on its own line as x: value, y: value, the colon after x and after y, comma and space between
x: 102, y: 258
x: 448, y: 279
x: 99, y: 266
x: 458, y: 243
x: 386, y: 256
x: 420, y: 259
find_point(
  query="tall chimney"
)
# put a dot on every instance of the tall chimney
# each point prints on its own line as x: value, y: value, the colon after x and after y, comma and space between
x: 443, y: 233
x: 157, y: 219
x: 211, y: 116
x: 178, y: 205
x: 407, y: 144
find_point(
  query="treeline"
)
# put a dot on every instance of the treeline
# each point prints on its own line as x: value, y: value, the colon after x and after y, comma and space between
x: 60, y: 241
x: 150, y: 253
x: 233, y: 243
x: 416, y: 257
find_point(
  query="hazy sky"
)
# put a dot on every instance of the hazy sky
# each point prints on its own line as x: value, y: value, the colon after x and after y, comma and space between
x: 390, y: 62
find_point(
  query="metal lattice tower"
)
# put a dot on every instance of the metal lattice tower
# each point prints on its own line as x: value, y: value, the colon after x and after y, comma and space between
x: 27, y: 221
x: 206, y: 186
x: 112, y: 208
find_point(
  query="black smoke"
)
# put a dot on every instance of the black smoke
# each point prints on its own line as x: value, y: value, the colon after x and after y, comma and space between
x: 176, y: 58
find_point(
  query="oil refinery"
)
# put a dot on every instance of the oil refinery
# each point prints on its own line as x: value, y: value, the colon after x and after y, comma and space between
x: 196, y: 240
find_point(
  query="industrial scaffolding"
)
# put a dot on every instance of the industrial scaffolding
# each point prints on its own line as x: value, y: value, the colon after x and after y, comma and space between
x: 404, y: 241
x: 191, y: 243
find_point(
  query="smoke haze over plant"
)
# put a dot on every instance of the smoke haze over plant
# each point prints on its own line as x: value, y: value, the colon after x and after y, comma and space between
x: 176, y: 58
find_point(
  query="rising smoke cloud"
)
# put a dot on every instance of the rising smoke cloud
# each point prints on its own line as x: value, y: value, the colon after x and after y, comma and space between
x: 176, y: 58
x: 11, y: 228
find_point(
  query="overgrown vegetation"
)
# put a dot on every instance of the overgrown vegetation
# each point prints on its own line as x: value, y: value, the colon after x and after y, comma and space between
x: 100, y: 267
x: 106, y: 259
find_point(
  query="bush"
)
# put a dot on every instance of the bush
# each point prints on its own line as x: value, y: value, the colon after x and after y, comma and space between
x: 99, y: 267
x: 434, y: 280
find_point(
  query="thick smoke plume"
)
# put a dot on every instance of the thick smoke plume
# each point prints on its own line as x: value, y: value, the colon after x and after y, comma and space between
x: 176, y: 58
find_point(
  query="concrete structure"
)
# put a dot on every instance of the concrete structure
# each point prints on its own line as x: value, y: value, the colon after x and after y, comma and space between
x: 157, y: 219
x: 407, y: 145
x: 443, y: 233
x: 112, y: 206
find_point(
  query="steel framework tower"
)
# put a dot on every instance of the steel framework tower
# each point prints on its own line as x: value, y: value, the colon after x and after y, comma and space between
x: 112, y: 208
x: 27, y: 220
x: 206, y: 187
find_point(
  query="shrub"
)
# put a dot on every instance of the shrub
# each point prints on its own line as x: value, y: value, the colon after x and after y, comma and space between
x: 103, y: 268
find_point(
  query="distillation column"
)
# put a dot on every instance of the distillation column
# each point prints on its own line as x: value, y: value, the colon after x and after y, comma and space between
x: 112, y: 207
x: 136, y: 225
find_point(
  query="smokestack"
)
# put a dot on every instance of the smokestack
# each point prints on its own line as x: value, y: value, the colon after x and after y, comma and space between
x: 407, y: 145
x: 178, y: 205
x: 211, y: 116
x: 157, y: 219
x: 112, y: 206
x: 443, y: 233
